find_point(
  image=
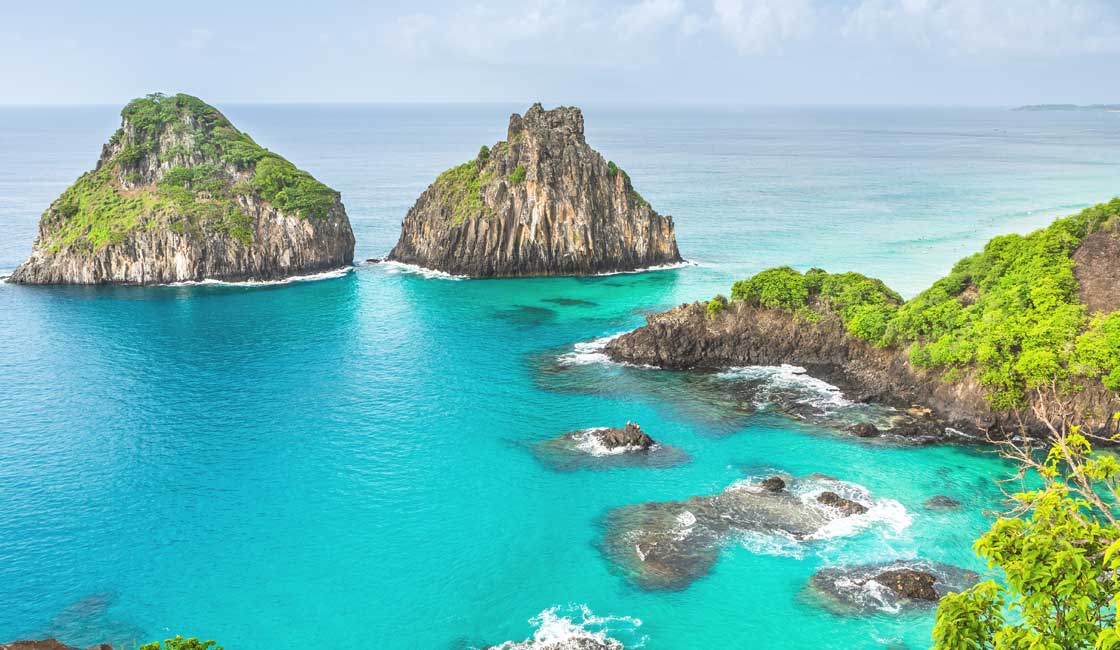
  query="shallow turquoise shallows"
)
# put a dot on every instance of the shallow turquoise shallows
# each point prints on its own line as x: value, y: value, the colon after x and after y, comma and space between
x: 350, y: 462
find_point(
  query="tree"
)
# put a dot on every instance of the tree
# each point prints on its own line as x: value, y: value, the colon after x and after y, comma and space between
x: 1059, y: 549
x: 179, y: 643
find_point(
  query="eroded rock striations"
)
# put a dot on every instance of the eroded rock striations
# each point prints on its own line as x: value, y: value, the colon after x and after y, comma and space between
x: 542, y: 202
x: 179, y: 194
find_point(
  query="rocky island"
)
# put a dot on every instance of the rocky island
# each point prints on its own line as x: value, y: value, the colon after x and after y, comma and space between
x: 179, y: 194
x: 1026, y: 328
x: 542, y: 202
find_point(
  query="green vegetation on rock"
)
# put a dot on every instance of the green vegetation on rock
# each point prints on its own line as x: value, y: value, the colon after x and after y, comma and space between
x: 212, y: 163
x: 517, y: 175
x: 1011, y: 312
x: 461, y: 188
x: 716, y: 305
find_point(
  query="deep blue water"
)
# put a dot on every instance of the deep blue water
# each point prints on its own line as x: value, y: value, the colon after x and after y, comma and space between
x: 349, y: 462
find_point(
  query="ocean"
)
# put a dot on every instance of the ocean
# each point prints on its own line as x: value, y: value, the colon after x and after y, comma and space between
x: 355, y: 461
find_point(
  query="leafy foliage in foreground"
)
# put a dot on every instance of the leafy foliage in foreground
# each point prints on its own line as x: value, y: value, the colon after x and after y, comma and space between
x: 198, y: 191
x: 1011, y: 311
x: 1061, y: 562
x: 179, y: 643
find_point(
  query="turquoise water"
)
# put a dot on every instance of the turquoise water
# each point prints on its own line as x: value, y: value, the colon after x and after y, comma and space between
x: 351, y: 461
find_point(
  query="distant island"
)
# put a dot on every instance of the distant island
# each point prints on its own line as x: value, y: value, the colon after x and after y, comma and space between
x: 1108, y: 108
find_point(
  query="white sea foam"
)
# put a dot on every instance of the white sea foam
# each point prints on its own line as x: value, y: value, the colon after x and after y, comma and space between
x: 415, y: 269
x: 588, y: 442
x: 586, y: 352
x: 816, y: 392
x: 656, y: 267
x: 312, y: 277
x: 888, y: 515
x: 560, y: 628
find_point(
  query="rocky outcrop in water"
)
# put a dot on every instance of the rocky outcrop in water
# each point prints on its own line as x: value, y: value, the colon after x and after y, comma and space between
x: 630, y: 437
x: 686, y: 337
x: 668, y: 545
x: 606, y: 448
x: 179, y: 194
x: 1023, y: 330
x: 541, y: 202
x: 890, y: 587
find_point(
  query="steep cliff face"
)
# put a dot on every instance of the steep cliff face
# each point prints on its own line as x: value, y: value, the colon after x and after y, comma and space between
x: 179, y: 194
x: 1028, y: 322
x: 542, y: 202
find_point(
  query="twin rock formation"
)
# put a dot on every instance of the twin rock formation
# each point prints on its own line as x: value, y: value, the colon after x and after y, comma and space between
x: 541, y: 202
x: 179, y: 194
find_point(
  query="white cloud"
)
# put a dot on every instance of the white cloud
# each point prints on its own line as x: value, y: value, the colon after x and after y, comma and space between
x: 649, y: 16
x: 763, y: 26
x: 967, y: 27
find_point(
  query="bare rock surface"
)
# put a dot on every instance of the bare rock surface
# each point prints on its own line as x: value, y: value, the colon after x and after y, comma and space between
x: 541, y: 202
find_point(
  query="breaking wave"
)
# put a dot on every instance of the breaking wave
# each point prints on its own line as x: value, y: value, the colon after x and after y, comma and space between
x: 415, y: 269
x: 311, y: 277
x: 576, y: 628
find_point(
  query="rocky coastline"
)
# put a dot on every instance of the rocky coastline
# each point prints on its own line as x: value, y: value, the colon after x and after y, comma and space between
x: 542, y: 202
x: 936, y: 359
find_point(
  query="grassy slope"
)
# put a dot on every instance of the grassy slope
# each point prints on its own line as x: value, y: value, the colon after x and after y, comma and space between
x: 95, y: 211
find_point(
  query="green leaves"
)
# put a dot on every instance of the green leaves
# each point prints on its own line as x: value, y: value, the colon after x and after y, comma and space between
x: 1060, y: 583
x: 1011, y: 312
x: 179, y: 643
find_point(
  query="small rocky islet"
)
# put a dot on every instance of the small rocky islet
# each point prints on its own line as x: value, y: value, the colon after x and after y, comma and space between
x: 180, y: 195
x: 542, y: 202
x: 607, y: 448
x: 667, y: 545
x: 890, y: 587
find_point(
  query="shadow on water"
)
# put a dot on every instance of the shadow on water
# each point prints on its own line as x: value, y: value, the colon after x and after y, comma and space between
x: 570, y: 302
x: 89, y: 621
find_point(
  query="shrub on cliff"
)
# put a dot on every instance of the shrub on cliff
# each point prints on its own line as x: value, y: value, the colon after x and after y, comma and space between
x: 517, y: 175
x: 1011, y: 312
x: 716, y: 305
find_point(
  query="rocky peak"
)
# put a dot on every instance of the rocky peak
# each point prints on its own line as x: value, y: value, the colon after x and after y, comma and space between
x: 563, y: 122
x: 542, y: 202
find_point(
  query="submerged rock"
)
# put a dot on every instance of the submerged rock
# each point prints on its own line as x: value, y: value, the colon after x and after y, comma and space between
x: 865, y: 430
x: 667, y: 545
x: 890, y: 587
x: 941, y: 502
x: 541, y: 202
x: 48, y: 644
x: 179, y: 194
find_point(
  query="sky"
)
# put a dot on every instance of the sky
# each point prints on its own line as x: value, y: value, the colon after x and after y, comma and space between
x: 770, y: 52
